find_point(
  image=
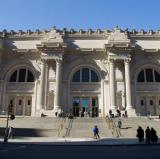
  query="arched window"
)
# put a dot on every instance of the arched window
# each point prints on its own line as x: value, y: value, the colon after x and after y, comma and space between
x: 85, y: 75
x: 148, y: 75
x: 22, y: 75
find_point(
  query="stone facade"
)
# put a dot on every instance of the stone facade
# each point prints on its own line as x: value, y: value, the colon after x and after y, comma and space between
x: 80, y: 71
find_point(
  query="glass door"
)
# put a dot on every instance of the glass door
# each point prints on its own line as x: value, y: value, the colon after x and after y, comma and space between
x: 85, y: 106
x: 94, y: 107
x: 76, y: 106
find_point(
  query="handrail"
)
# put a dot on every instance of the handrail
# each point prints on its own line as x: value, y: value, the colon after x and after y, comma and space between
x: 116, y: 129
x: 113, y: 127
x: 61, y: 126
x: 68, y: 129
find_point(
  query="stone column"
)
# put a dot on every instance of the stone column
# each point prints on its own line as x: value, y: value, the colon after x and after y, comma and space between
x: 42, y: 89
x: 130, y: 109
x: 46, y: 86
x: 112, y: 86
x: 58, y: 85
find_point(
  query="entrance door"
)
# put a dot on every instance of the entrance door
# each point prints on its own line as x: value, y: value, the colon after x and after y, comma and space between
x: 86, y: 105
x: 28, y: 104
x: 151, y: 107
x: 147, y: 105
x: 94, y: 107
x: 11, y: 101
x: 76, y: 106
x: 19, y: 106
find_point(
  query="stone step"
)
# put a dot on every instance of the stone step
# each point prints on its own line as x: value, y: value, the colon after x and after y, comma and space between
x: 24, y: 132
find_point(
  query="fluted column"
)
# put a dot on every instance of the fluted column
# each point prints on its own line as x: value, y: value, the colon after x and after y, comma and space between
x: 130, y: 109
x: 42, y: 89
x: 112, y: 85
x: 58, y: 85
x: 128, y: 83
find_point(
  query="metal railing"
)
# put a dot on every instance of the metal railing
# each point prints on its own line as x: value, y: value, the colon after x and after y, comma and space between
x: 68, y: 129
x: 113, y: 127
x: 61, y: 126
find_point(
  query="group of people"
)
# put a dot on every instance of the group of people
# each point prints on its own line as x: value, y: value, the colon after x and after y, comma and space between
x: 84, y: 114
x: 117, y: 114
x: 150, y: 134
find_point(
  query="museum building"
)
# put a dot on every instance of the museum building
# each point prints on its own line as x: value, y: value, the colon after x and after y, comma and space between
x: 80, y: 71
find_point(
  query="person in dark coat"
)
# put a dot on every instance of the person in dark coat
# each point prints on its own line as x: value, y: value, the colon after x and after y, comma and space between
x: 154, y: 137
x: 110, y: 113
x: 140, y: 134
x: 148, y: 135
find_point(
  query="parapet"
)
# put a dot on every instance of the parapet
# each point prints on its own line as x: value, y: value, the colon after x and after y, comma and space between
x: 80, y: 32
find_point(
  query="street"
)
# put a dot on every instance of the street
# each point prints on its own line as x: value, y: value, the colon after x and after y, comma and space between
x: 16, y: 151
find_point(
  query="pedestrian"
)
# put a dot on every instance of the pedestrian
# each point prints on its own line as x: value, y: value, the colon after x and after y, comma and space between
x: 80, y: 113
x: 140, y: 134
x: 148, y: 135
x: 119, y: 124
x: 110, y: 113
x: 85, y: 114
x: 118, y: 113
x: 96, y: 132
x: 154, y: 137
x: 56, y: 114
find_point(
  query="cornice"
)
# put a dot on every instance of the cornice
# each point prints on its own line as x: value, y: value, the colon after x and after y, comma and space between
x: 89, y: 34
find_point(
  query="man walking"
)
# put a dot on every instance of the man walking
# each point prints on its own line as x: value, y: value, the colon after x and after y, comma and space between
x: 96, y: 132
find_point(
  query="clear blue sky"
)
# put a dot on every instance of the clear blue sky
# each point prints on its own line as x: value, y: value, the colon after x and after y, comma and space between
x: 43, y: 14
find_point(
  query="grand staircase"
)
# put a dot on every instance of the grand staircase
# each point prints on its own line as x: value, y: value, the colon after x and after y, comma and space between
x: 77, y: 127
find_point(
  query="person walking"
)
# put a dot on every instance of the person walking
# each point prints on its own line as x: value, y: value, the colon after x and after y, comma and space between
x: 148, y: 135
x: 110, y: 113
x: 154, y: 137
x: 96, y: 132
x: 119, y: 124
x: 140, y: 134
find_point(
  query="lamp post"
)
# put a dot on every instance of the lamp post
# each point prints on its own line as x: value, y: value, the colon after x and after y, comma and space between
x: 9, y: 112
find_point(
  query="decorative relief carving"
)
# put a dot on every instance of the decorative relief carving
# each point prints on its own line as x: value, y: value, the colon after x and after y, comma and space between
x: 52, y: 55
x: 118, y: 37
x: 52, y: 36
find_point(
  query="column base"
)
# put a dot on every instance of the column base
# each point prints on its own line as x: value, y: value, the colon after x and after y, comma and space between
x: 131, y: 112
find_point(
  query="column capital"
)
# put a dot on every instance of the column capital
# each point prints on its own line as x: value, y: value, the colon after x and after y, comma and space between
x: 44, y: 61
x: 111, y: 59
x: 58, y: 61
x: 127, y: 59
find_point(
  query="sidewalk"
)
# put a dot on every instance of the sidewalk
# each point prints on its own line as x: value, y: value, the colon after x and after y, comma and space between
x: 75, y: 141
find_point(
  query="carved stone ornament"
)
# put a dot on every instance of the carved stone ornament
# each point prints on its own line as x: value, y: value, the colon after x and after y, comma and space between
x: 52, y: 56
x: 118, y: 37
x: 118, y: 40
x: 52, y: 36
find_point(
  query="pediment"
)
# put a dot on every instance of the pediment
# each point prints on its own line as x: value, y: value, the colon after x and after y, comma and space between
x: 118, y: 37
x: 52, y: 37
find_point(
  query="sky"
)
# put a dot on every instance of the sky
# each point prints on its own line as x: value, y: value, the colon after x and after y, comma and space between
x: 77, y: 14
